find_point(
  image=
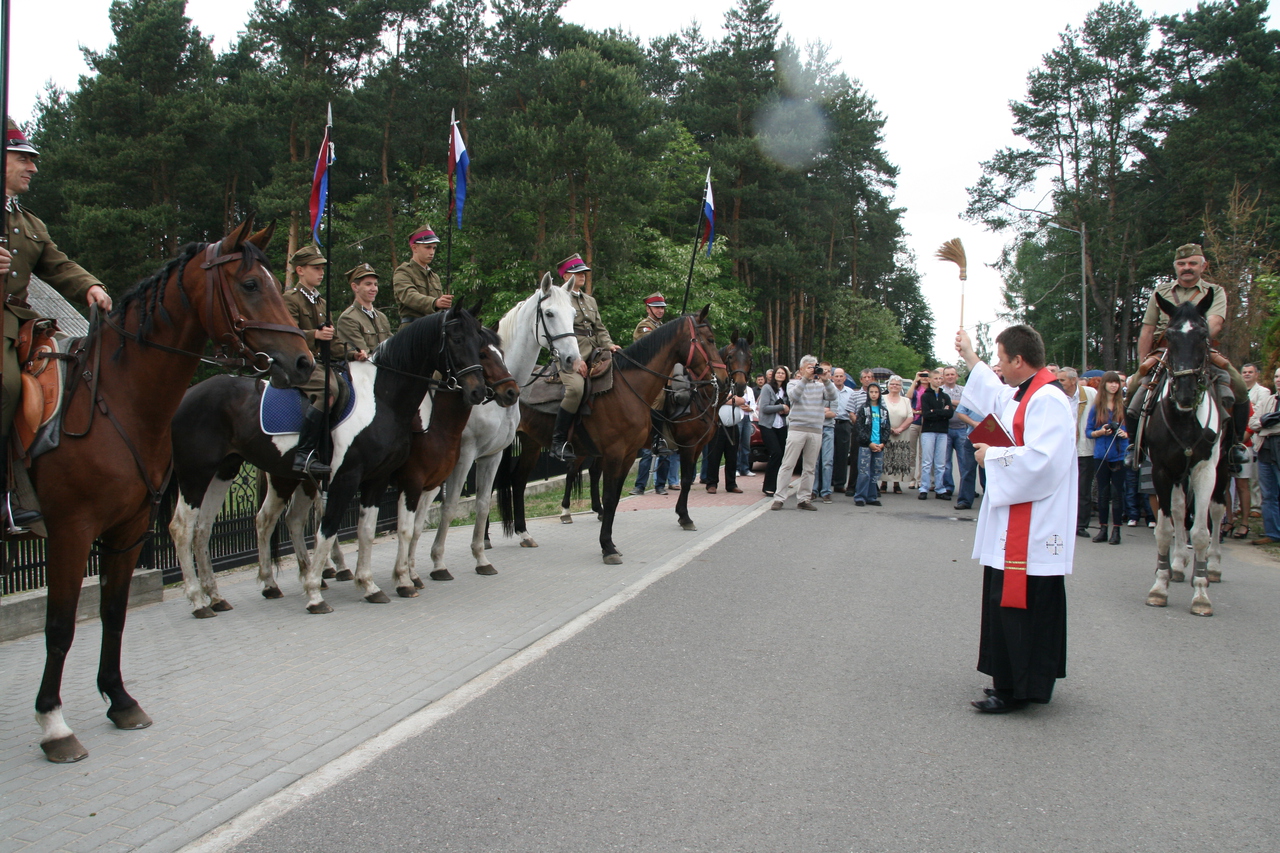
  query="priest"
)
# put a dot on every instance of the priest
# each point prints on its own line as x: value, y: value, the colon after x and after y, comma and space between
x: 1025, y: 536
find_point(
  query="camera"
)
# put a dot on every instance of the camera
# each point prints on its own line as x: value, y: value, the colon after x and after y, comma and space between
x: 817, y: 370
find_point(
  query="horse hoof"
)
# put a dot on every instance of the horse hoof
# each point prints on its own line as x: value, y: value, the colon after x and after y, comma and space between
x: 488, y: 546
x: 129, y: 718
x: 221, y: 606
x: 486, y: 570
x: 528, y: 543
x: 613, y: 559
x: 441, y: 575
x: 322, y: 607
x: 64, y: 750
x: 566, y: 519
x: 1157, y: 601
x: 1202, y: 609
x: 406, y: 592
x: 329, y: 573
x: 1214, y: 577
x: 204, y: 613
x: 272, y: 592
x: 324, y: 584
x: 688, y: 525
x: 1177, y: 576
x: 378, y: 597
x: 344, y: 575
x: 418, y: 584
x: 600, y: 516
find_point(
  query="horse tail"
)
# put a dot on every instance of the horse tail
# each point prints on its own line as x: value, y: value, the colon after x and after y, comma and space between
x: 505, y: 484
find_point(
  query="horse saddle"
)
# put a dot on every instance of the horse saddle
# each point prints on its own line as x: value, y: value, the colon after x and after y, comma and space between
x: 282, y: 410
x: 42, y: 362
x: 545, y: 395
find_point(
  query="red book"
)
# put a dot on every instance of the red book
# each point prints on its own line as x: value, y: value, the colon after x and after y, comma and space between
x: 991, y: 431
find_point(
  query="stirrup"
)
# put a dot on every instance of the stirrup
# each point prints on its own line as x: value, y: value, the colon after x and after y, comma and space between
x: 563, y: 451
x: 1131, y: 460
x: 310, y: 465
x: 661, y: 447
x: 18, y: 520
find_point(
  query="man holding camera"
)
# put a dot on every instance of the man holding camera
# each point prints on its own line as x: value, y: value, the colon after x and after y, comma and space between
x: 811, y: 394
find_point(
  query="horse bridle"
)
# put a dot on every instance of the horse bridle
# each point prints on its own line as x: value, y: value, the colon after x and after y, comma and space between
x: 696, y: 345
x: 235, y: 352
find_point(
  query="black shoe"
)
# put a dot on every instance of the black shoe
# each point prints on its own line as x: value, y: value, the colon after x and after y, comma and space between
x: 924, y: 496
x: 850, y: 494
x: 943, y: 496
x: 305, y: 460
x: 18, y: 519
x: 560, y: 448
x: 1080, y: 531
x: 660, y: 490
x: 1115, y: 536
x: 873, y: 503
x: 964, y: 506
x: 1102, y: 534
x: 998, y: 705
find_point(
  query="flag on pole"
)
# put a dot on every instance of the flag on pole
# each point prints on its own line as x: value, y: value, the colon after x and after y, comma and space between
x: 709, y: 211
x: 459, y: 165
x: 320, y: 181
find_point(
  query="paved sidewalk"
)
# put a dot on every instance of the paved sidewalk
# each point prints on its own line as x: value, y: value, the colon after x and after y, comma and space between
x: 249, y: 702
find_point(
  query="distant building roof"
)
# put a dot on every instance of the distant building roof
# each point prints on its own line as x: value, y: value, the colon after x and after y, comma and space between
x: 48, y: 302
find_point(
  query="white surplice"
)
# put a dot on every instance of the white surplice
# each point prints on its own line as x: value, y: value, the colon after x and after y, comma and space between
x: 1043, y: 471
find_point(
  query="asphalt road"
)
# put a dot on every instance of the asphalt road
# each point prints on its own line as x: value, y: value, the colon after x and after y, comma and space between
x: 803, y: 686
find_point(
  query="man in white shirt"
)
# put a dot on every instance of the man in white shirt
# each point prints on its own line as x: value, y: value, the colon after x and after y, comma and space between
x: 1024, y: 527
x: 1247, y: 479
x: 1082, y: 397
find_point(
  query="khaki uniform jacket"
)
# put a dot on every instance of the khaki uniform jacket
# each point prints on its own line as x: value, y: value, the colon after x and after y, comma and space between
x: 310, y: 316
x: 416, y: 289
x: 35, y: 253
x: 644, y: 327
x: 358, y: 331
x: 587, y: 324
x: 1177, y: 294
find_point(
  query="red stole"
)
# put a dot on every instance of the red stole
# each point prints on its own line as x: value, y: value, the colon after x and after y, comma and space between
x: 1015, y: 544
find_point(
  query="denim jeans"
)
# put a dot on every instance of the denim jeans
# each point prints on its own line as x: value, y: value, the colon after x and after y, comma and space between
x: 746, y: 427
x: 933, y: 455
x: 663, y: 472
x: 948, y: 481
x: 1269, y: 486
x: 869, y: 467
x: 959, y: 439
x: 826, y: 460
x: 1137, y: 506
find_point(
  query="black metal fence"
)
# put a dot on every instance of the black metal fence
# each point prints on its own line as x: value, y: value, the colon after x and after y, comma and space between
x: 233, y: 543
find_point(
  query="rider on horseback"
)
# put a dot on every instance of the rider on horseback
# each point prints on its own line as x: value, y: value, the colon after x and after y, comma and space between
x: 1189, y: 266
x: 655, y: 308
x: 309, y: 311
x: 591, y: 333
x: 28, y: 251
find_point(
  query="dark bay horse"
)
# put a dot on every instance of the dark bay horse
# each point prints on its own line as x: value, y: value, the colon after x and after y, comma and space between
x: 106, y: 477
x: 619, y: 423
x: 1186, y: 443
x: 217, y: 428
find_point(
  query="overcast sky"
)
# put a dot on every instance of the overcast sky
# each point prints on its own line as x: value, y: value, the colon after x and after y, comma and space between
x: 943, y: 73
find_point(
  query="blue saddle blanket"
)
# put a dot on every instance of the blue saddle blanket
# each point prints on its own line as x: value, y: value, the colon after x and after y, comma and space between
x: 283, y: 409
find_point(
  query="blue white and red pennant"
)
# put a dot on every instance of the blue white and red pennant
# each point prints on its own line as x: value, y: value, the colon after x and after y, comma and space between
x: 459, y: 166
x: 709, y: 212
x: 320, y: 181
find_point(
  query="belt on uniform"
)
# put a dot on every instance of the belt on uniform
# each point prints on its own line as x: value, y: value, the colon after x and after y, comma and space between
x: 15, y: 300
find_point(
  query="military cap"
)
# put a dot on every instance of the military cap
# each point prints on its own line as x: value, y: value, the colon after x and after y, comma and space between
x: 360, y: 271
x: 655, y: 300
x: 15, y: 140
x: 423, y: 235
x: 307, y: 256
x: 1187, y: 250
x: 573, y: 263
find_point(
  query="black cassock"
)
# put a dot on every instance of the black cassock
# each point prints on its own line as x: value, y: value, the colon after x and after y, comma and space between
x: 1024, y: 651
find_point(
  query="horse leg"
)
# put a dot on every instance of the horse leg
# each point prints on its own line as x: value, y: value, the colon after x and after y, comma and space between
x: 66, y: 559
x: 264, y: 523
x: 523, y: 467
x: 186, y: 518
x: 593, y: 471
x: 614, y: 476
x: 1158, y: 595
x: 1202, y: 483
x: 686, y: 482
x: 1178, y: 561
x: 117, y: 572
x: 1214, y: 570
x: 486, y: 471
x: 448, y: 509
x: 212, y: 505
x: 575, y: 470
x: 419, y: 524
x: 366, y: 528
x: 406, y: 519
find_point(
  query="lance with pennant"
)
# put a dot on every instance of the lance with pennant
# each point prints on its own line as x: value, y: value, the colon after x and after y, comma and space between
x: 321, y: 207
x: 459, y: 171
x: 707, y: 214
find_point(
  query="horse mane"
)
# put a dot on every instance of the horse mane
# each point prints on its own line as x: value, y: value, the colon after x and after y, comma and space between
x: 508, y: 319
x: 647, y: 348
x: 148, y: 294
x: 490, y: 337
x: 410, y: 347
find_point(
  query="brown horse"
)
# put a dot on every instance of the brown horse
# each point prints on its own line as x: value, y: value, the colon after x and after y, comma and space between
x: 619, y: 423
x: 106, y: 477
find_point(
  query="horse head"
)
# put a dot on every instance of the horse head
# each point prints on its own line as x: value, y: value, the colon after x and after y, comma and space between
x: 463, y: 339
x: 737, y: 358
x: 243, y: 306
x: 1187, y: 337
x: 699, y: 362
x: 555, y: 322
x: 497, y: 378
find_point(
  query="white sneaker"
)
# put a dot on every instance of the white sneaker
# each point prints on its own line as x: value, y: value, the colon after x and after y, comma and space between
x: 1151, y: 524
x: 748, y: 474
x: 1133, y: 522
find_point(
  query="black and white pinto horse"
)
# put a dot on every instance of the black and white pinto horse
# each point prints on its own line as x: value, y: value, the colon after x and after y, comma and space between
x: 1187, y: 448
x: 217, y: 428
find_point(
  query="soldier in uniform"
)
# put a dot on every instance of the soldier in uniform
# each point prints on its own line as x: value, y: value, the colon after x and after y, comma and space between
x: 417, y: 289
x: 1189, y: 266
x: 308, y: 309
x: 28, y: 250
x: 591, y: 333
x: 362, y: 327
x: 655, y: 307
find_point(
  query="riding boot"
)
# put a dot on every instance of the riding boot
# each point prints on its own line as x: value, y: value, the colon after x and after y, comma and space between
x: 1237, y: 455
x: 16, y: 519
x: 1115, y: 535
x: 1132, y: 413
x: 305, y: 460
x: 560, y: 448
x: 660, y: 446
